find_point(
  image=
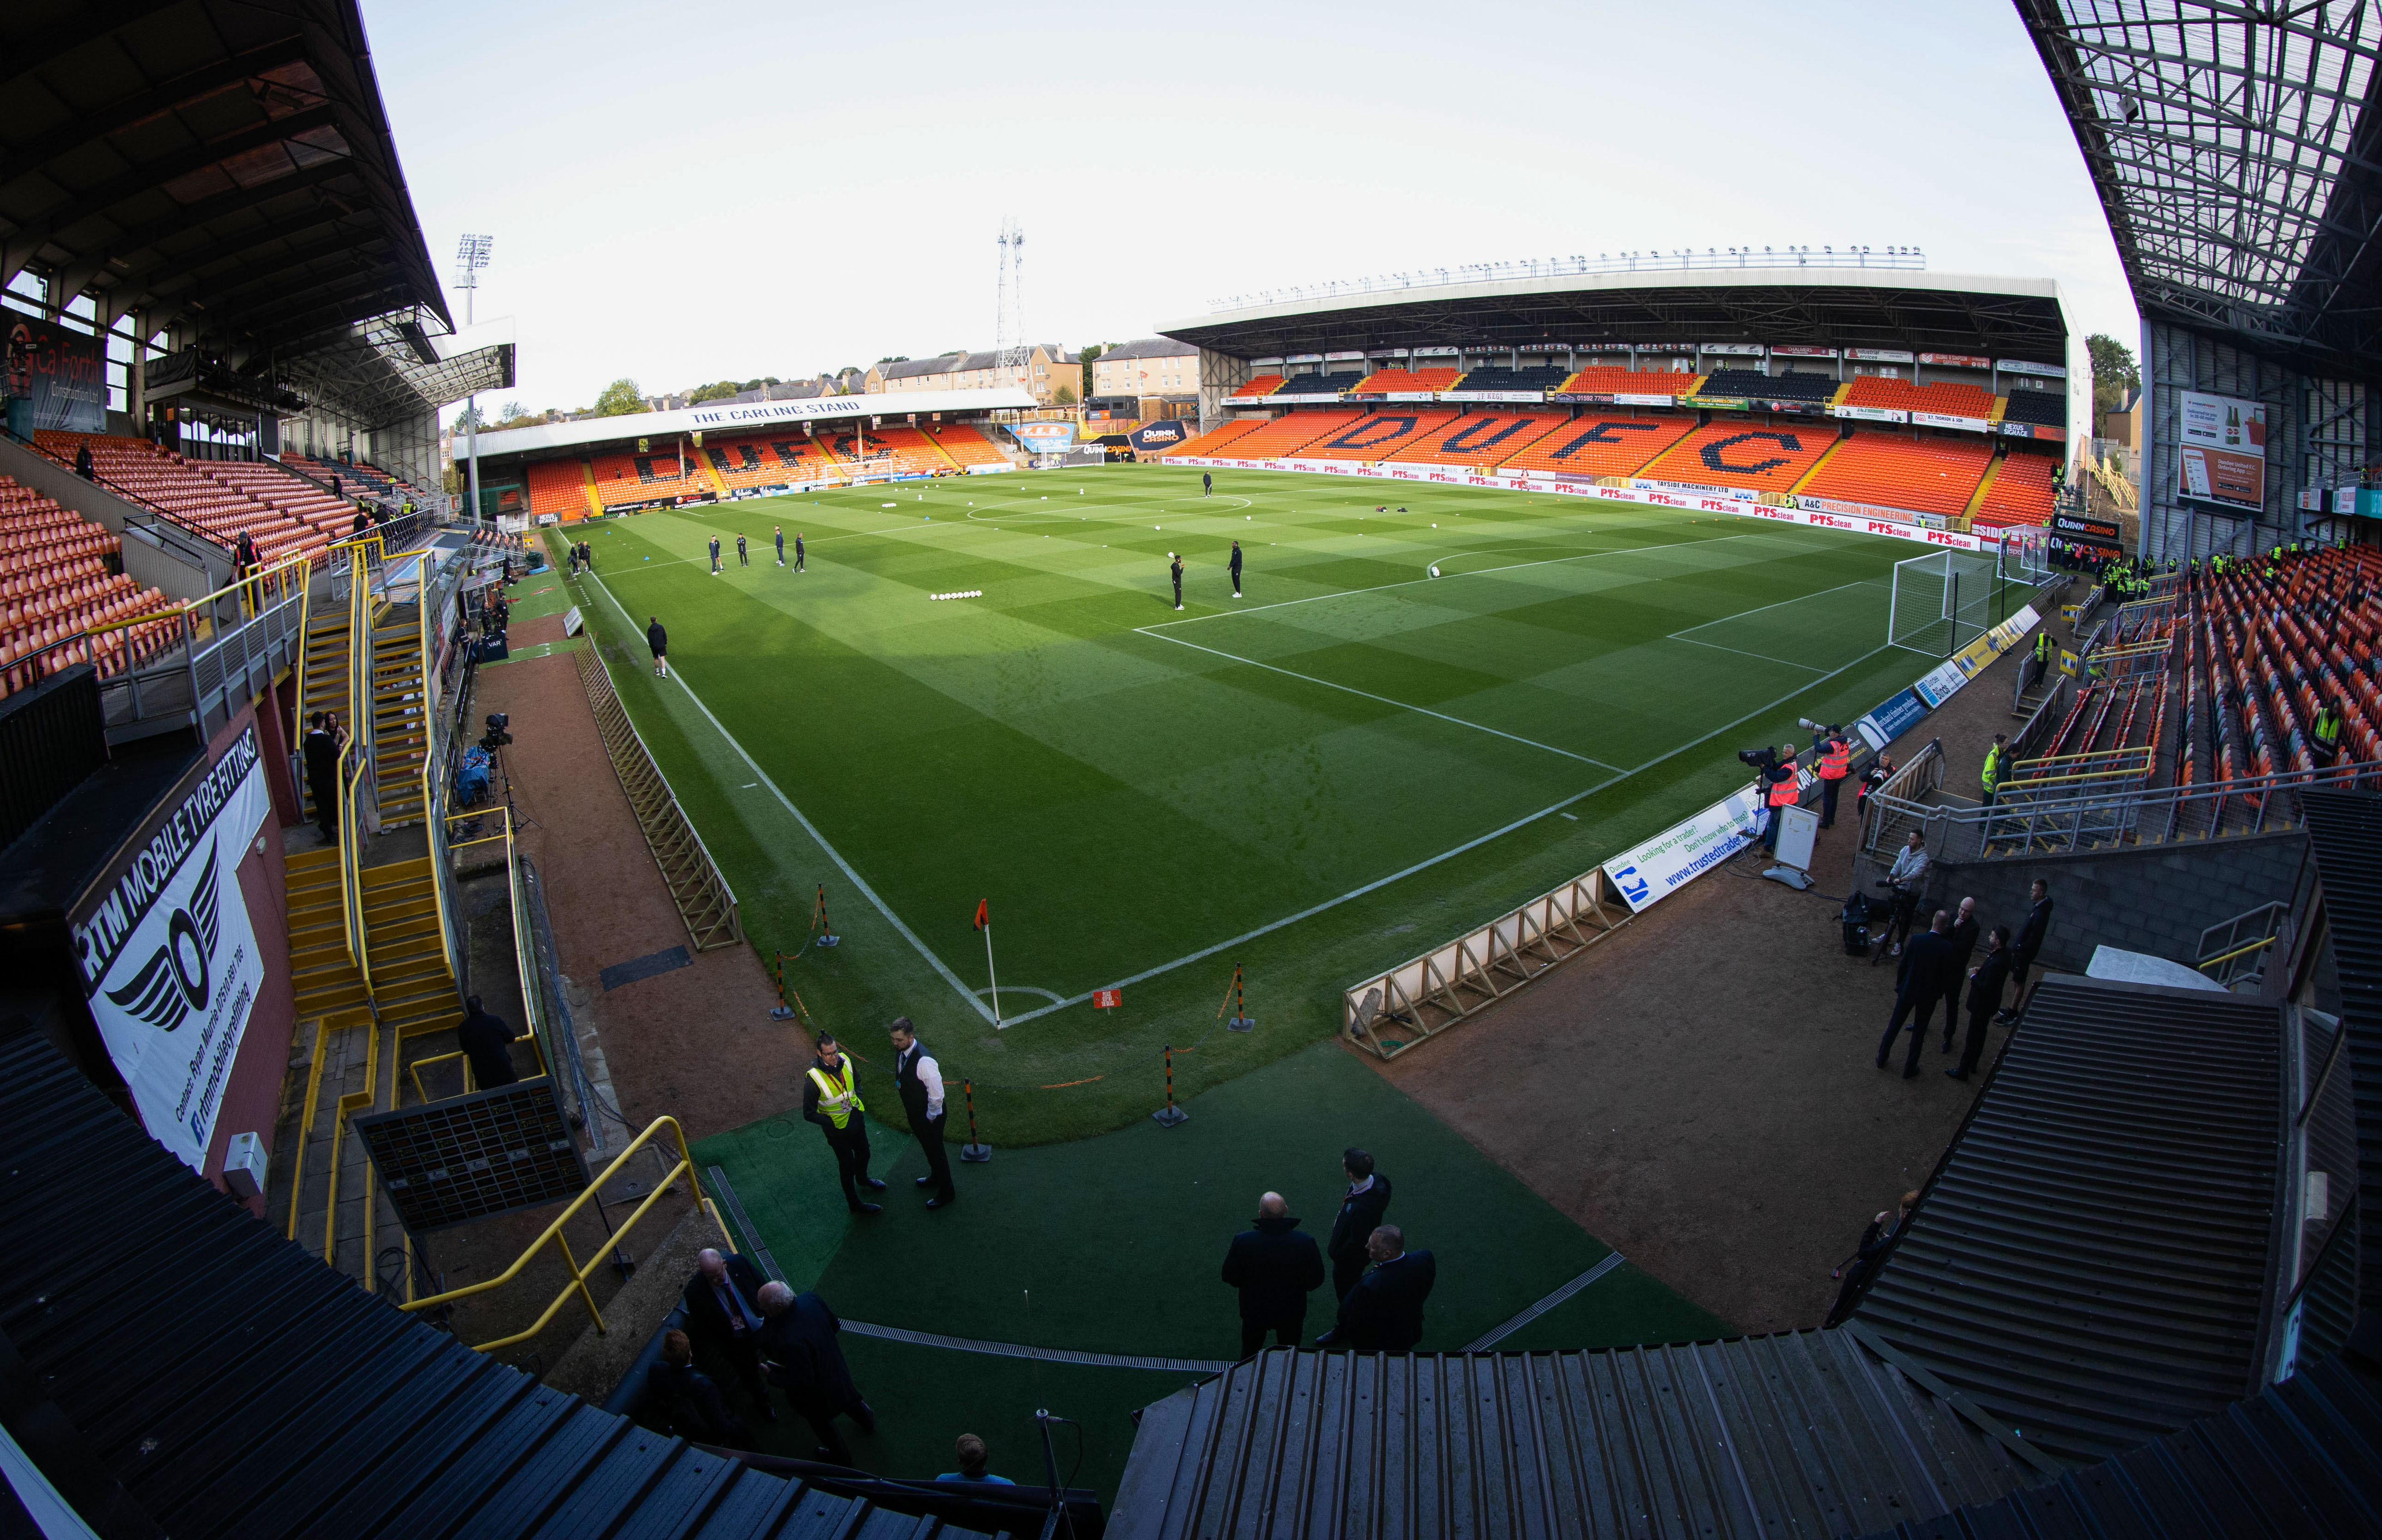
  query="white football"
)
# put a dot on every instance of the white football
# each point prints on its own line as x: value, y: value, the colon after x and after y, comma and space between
x: 1434, y: 569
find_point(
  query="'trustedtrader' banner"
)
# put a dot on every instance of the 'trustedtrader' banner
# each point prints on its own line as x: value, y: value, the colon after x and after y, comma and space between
x: 168, y: 956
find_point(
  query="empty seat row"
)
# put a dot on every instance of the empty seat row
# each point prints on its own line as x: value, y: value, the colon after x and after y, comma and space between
x: 1753, y: 384
x: 1936, y: 475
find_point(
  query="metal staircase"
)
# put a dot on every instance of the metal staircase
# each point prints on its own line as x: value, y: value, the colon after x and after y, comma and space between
x: 400, y: 720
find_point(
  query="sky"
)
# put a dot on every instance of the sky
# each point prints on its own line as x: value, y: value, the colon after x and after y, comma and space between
x: 731, y: 189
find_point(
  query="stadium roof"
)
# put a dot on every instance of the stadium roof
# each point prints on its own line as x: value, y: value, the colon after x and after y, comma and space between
x: 224, y: 165
x: 2233, y: 154
x: 1824, y: 307
x: 720, y: 417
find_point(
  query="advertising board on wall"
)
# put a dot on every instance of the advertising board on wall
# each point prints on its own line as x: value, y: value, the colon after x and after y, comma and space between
x: 2221, y: 449
x: 168, y: 956
x: 1652, y: 872
x: 57, y: 372
x: 1044, y: 438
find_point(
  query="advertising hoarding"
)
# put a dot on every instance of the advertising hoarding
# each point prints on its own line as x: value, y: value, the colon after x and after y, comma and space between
x: 2221, y: 450
x: 57, y: 372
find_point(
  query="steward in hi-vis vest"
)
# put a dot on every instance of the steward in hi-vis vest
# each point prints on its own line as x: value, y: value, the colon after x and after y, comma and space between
x: 1781, y: 786
x: 1836, y: 763
x: 1991, y: 776
x: 2327, y: 732
x: 831, y: 1100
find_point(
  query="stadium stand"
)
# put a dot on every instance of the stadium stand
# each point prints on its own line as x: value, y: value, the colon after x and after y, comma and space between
x: 1288, y: 435
x: 623, y: 480
x: 2269, y: 652
x: 1500, y: 378
x: 357, y: 479
x: 1482, y: 438
x: 1742, y: 454
x: 1936, y: 476
x: 285, y: 515
x: 1216, y: 440
x: 1379, y: 435
x: 966, y: 446
x: 2020, y: 492
x: 57, y: 579
x: 1602, y: 444
x: 1338, y: 383
x: 1263, y: 384
x: 1897, y: 394
x: 558, y: 487
x: 1407, y: 381
x: 1612, y: 380
x: 2046, y: 408
x: 1753, y: 384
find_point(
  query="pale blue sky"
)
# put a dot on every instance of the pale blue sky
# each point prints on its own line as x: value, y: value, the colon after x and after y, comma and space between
x: 721, y: 189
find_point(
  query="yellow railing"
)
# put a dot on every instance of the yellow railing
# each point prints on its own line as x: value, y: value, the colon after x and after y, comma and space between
x: 432, y: 827
x: 2208, y: 962
x: 553, y: 1236
x: 471, y: 1082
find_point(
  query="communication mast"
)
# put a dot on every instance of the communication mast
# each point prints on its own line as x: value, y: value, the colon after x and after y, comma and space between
x: 1010, y: 346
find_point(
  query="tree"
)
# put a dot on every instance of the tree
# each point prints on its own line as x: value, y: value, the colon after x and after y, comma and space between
x: 512, y: 410
x: 890, y: 359
x: 468, y: 418
x: 619, y: 399
x: 719, y: 392
x: 2115, y: 376
x: 1086, y: 358
x: 1063, y: 396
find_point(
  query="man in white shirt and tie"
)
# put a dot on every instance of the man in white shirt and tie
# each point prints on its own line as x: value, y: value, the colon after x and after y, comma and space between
x: 919, y: 1080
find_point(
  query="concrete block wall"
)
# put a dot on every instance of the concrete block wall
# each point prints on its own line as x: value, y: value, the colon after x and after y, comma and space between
x: 2157, y: 899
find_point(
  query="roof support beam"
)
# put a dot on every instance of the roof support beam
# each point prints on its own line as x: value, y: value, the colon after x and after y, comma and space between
x: 156, y: 174
x: 191, y: 217
x: 94, y: 23
x: 91, y: 127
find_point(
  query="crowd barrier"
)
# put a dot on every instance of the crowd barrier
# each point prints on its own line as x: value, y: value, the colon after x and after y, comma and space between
x: 1706, y: 501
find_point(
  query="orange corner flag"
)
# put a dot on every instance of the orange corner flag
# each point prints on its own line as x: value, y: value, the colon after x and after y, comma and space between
x: 983, y: 913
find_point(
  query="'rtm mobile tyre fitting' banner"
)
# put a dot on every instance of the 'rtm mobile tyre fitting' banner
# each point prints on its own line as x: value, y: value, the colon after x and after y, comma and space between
x: 168, y: 957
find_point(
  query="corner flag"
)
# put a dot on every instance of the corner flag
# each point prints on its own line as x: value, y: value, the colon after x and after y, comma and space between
x: 983, y: 913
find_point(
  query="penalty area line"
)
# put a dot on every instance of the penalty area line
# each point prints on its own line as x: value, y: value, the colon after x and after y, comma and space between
x: 1429, y: 861
x: 962, y: 990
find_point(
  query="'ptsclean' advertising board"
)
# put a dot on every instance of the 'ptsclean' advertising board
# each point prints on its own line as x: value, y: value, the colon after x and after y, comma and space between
x: 2221, y: 450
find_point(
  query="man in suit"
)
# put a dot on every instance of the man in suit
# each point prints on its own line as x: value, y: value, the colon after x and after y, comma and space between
x: 1964, y: 947
x: 487, y: 1044
x: 831, y: 1100
x: 321, y: 748
x: 1875, y: 1239
x: 1175, y: 570
x: 777, y: 531
x: 1206, y: 484
x: 1275, y: 1268
x: 918, y: 1080
x: 804, y: 1361
x: 2029, y: 943
x: 1384, y: 1313
x: 1929, y: 973
x: 741, y: 559
x: 798, y: 552
x: 682, y: 1396
x: 1235, y: 564
x: 715, y: 556
x: 1985, y: 981
x: 1361, y: 1208
x: 723, y: 1308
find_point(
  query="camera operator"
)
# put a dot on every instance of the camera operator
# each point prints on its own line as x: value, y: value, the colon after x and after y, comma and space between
x: 1780, y: 789
x: 1908, y: 880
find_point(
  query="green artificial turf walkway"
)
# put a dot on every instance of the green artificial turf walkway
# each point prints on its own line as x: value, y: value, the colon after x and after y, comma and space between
x: 1112, y: 1245
x: 1354, y: 762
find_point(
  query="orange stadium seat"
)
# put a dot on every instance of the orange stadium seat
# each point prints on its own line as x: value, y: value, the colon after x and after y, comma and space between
x: 57, y: 579
x: 1945, y: 397
x: 1482, y: 438
x: 1408, y: 379
x: 1288, y: 435
x: 1757, y: 457
x: 1264, y: 384
x: 218, y: 500
x: 1377, y: 435
x: 965, y: 445
x: 621, y: 480
x: 1923, y: 475
x: 1610, y: 379
x: 1216, y: 440
x: 1602, y: 444
x: 560, y: 487
x: 2021, y: 492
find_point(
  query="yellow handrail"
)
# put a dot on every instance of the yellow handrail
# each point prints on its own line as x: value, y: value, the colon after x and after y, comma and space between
x: 470, y: 1081
x: 2238, y: 951
x: 436, y: 834
x: 553, y: 1233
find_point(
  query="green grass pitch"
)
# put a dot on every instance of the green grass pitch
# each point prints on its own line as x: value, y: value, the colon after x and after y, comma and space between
x: 1350, y: 762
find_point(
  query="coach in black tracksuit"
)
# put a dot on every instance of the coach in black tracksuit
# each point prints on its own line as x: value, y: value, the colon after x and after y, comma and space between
x: 1236, y: 569
x: 919, y: 1082
x: 1367, y: 1200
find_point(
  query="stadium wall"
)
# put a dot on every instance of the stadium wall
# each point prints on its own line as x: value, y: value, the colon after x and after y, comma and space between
x: 2319, y: 433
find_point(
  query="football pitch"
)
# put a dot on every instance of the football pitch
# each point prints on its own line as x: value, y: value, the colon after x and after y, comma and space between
x: 1349, y: 763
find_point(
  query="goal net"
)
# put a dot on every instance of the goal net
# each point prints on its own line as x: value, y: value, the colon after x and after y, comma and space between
x: 1940, y: 600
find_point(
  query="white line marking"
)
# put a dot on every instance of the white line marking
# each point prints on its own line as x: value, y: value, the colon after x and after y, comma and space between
x: 1429, y: 861
x: 1023, y: 989
x: 1861, y: 583
x: 834, y: 855
x: 1760, y: 658
x: 1369, y: 695
x: 1409, y: 582
x: 1482, y: 1345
